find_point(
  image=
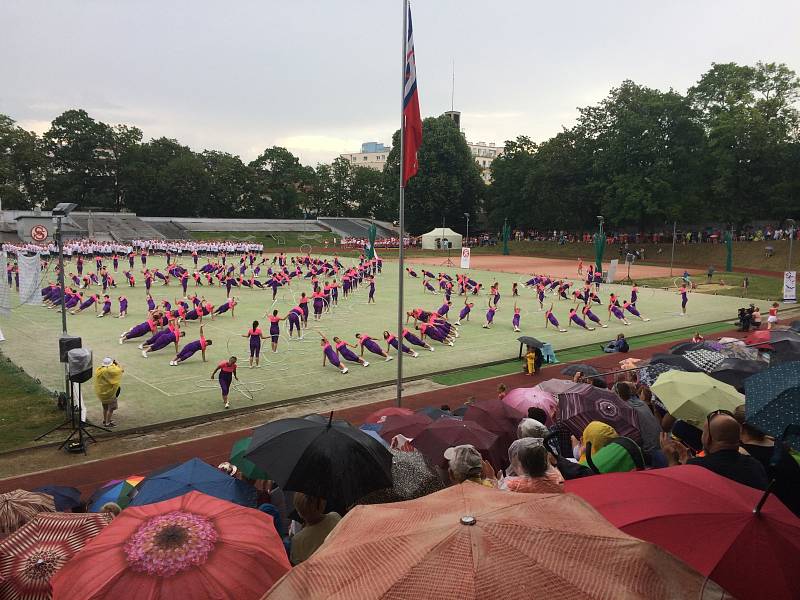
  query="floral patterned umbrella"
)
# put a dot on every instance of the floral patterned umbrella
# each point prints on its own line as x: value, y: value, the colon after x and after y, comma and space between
x: 190, y: 547
x: 31, y: 555
x: 19, y: 506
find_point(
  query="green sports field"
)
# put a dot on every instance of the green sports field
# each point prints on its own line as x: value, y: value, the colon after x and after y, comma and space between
x: 155, y: 392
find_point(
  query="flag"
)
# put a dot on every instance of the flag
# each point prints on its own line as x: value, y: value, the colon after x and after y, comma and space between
x: 369, y: 247
x: 412, y: 123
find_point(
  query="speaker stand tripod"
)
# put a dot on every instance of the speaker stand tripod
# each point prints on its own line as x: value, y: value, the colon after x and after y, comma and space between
x: 448, y: 262
x: 79, y: 426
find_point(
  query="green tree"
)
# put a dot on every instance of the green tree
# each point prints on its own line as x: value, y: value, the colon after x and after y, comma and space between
x: 21, y: 166
x: 448, y: 183
x: 367, y: 194
x: 231, y: 184
x: 505, y: 197
x: 281, y: 185
x: 78, y: 149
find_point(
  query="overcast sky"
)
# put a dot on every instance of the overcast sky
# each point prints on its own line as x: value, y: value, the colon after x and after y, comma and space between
x: 320, y: 77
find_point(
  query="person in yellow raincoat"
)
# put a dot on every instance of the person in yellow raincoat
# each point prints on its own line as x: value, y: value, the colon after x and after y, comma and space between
x: 107, y: 380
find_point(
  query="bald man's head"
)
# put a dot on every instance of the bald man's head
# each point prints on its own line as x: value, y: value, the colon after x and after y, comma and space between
x: 721, y: 432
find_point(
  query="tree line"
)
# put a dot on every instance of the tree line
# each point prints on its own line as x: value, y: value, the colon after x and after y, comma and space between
x: 727, y: 151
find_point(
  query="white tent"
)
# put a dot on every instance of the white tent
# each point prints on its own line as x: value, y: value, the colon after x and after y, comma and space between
x: 440, y: 238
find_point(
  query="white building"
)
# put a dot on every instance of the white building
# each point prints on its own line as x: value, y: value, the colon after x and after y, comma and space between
x: 484, y: 154
x: 373, y: 155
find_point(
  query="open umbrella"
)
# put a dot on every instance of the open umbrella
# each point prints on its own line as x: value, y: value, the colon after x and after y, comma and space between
x: 189, y: 548
x: 379, y: 416
x: 496, y: 416
x: 555, y: 386
x: 444, y: 433
x: 193, y: 475
x: 735, y: 348
x: 65, y: 498
x: 692, y: 396
x: 704, y: 360
x: 31, y: 555
x: 522, y: 399
x: 649, y: 373
x: 584, y: 403
x: 530, y: 341
x: 116, y: 490
x: 334, y: 461
x: 734, y: 371
x: 586, y: 370
x: 778, y: 358
x: 779, y: 340
x: 773, y: 398
x: 17, y: 507
x: 245, y: 466
x: 409, y: 425
x: 706, y: 520
x: 674, y: 360
x: 469, y: 541
x: 795, y: 326
x: 685, y: 347
x: 412, y: 477
x: 433, y: 412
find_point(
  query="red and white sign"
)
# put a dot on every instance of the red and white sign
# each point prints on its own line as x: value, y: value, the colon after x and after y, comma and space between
x: 465, y: 256
x: 39, y: 233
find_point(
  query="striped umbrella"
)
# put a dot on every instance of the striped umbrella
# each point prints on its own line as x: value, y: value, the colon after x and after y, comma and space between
x: 116, y: 490
x: 19, y: 506
x: 30, y: 556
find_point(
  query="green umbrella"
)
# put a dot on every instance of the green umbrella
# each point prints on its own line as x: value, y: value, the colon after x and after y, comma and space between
x: 692, y: 396
x: 245, y: 466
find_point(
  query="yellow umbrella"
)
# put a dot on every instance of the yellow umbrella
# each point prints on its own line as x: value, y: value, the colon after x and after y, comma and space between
x: 692, y: 396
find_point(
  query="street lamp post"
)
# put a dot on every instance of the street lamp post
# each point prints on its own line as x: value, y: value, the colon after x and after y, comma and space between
x: 672, y: 256
x: 466, y: 216
x: 791, y: 223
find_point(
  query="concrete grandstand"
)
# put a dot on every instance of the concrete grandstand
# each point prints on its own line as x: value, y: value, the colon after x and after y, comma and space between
x: 124, y: 226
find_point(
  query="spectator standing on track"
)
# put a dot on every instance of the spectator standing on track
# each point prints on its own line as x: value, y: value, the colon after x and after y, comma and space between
x: 107, y: 382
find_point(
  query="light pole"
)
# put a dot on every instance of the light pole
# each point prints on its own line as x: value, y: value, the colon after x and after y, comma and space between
x: 61, y: 211
x: 466, y: 216
x: 791, y: 223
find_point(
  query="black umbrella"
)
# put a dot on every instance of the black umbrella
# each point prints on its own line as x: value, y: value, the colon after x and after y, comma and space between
x: 734, y: 371
x: 685, y: 347
x: 779, y: 358
x: 785, y: 341
x: 795, y: 326
x: 530, y: 341
x: 526, y: 340
x: 587, y: 370
x: 330, y: 460
x: 675, y: 360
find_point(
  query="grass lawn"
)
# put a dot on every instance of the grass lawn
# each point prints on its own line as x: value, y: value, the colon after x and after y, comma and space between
x: 728, y: 284
x: 26, y: 408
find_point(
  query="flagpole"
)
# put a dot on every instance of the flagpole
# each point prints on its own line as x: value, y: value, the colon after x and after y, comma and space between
x: 401, y: 220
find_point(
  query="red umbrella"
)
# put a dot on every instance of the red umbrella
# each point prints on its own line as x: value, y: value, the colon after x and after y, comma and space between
x: 190, y: 547
x: 379, y: 416
x: 708, y: 521
x: 584, y: 403
x: 409, y: 425
x: 759, y: 338
x: 33, y: 553
x: 444, y: 433
x: 524, y: 398
x: 496, y: 416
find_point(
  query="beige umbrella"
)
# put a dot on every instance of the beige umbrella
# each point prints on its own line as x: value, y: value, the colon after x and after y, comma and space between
x: 19, y: 506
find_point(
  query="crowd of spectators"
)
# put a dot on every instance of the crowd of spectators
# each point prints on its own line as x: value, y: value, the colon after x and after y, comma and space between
x: 711, y: 235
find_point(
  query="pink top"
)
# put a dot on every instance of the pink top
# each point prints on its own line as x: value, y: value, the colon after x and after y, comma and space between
x: 256, y: 331
x: 225, y: 367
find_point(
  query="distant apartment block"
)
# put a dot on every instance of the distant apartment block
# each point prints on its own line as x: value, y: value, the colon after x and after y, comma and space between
x: 373, y: 155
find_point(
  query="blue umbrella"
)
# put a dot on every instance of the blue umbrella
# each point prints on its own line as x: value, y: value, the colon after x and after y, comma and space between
x: 772, y: 398
x: 374, y: 434
x: 371, y: 427
x: 193, y: 475
x: 66, y: 498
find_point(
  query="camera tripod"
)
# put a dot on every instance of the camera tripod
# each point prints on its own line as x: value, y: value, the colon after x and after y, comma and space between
x: 76, y: 423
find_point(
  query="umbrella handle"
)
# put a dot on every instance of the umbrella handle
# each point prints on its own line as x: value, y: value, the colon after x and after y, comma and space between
x: 762, y: 501
x: 589, y: 460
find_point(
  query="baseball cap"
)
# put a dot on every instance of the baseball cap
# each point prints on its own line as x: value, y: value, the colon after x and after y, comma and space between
x: 464, y: 459
x: 107, y: 361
